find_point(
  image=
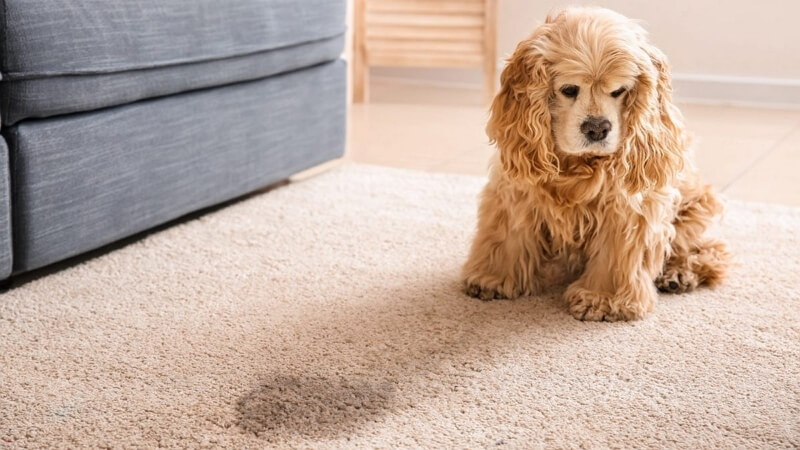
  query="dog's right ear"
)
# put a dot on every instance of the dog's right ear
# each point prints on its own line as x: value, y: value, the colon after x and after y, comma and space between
x: 520, y: 115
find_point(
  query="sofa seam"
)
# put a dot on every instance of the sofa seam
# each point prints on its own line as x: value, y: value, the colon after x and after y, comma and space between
x: 4, y: 51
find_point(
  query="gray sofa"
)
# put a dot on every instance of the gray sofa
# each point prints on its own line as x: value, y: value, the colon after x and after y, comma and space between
x: 120, y: 115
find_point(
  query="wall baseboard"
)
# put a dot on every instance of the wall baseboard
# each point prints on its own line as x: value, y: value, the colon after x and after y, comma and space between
x: 782, y: 93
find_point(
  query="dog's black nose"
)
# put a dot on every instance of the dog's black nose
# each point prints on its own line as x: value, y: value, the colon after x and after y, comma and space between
x: 595, y: 128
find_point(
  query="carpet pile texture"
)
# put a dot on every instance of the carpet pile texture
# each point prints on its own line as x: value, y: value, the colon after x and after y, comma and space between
x: 328, y: 314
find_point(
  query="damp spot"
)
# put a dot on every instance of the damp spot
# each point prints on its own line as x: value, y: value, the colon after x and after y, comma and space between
x: 313, y: 407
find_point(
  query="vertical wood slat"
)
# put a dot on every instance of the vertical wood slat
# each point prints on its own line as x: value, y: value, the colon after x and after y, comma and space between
x: 490, y: 49
x: 423, y: 33
x: 360, y: 65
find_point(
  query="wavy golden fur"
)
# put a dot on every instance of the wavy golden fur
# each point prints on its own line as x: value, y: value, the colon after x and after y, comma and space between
x: 616, y: 214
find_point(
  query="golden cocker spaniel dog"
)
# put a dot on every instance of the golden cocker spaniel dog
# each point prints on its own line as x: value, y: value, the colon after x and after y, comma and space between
x: 593, y: 182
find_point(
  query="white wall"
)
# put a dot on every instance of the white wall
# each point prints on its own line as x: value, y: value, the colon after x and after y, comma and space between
x: 729, y: 51
x: 714, y: 37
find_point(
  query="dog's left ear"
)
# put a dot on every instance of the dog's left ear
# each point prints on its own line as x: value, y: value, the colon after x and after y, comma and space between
x: 654, y: 142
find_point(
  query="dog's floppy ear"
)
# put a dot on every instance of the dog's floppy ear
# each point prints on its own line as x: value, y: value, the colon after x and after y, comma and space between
x: 520, y: 117
x: 654, y: 141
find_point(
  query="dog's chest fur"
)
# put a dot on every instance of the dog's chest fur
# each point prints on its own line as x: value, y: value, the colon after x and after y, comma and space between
x: 564, y: 219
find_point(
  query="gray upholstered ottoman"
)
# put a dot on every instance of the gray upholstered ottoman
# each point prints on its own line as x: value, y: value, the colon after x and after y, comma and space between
x: 120, y: 115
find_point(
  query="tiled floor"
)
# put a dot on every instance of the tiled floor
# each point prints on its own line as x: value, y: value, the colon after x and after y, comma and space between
x: 748, y: 153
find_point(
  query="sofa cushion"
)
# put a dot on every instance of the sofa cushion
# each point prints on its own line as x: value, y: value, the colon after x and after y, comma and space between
x: 85, y: 180
x: 5, y: 213
x: 71, y: 39
x: 64, y: 94
x: 60, y: 37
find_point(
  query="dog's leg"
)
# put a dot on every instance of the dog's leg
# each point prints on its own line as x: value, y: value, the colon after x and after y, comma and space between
x: 501, y: 265
x: 694, y: 259
x: 505, y: 258
x: 624, y: 257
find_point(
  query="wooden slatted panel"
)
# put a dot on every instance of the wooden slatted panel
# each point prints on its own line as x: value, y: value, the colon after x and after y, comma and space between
x: 424, y: 33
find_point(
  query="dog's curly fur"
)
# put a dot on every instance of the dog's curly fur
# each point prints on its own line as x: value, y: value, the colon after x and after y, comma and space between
x: 616, y: 222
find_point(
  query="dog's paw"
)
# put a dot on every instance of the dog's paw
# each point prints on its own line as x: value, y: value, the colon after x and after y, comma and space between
x: 594, y: 313
x: 483, y: 292
x: 676, y: 281
x: 597, y: 307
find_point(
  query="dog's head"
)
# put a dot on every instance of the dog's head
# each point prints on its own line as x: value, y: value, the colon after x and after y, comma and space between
x: 587, y: 84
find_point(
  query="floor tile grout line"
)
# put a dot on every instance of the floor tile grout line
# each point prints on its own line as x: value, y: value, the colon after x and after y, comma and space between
x: 761, y: 157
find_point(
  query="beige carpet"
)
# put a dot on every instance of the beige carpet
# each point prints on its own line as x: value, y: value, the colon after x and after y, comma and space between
x: 328, y: 314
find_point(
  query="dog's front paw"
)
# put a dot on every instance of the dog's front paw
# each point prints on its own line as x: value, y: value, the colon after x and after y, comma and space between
x: 483, y: 292
x: 676, y: 281
x: 598, y: 307
x: 584, y: 307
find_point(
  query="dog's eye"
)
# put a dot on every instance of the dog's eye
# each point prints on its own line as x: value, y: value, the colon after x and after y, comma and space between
x: 618, y: 92
x: 570, y: 91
